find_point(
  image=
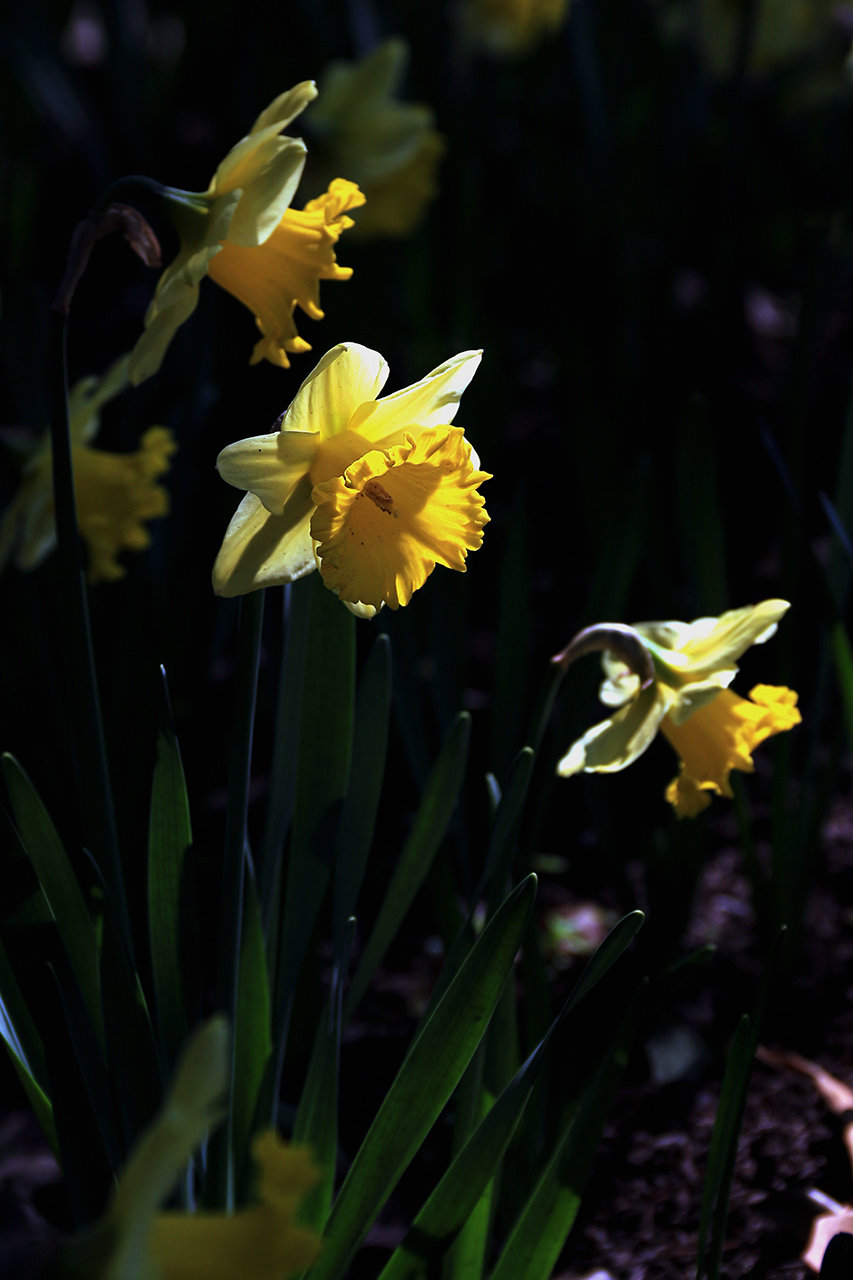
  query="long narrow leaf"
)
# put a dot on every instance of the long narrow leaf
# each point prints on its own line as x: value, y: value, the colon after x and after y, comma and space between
x: 169, y: 848
x: 61, y: 889
x: 434, y: 814
x: 542, y: 1227
x: 429, y: 1074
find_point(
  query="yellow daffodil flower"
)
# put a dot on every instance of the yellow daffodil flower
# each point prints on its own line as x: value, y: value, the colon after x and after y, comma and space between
x: 784, y: 30
x: 271, y: 256
x: 674, y: 677
x: 286, y: 271
x: 374, y: 492
x: 389, y: 147
x: 510, y: 27
x: 135, y: 1240
x: 115, y: 493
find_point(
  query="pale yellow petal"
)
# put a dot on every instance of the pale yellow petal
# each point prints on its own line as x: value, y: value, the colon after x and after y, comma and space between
x: 347, y: 377
x: 715, y: 643
x: 262, y: 550
x: 615, y: 743
x: 284, y: 109
x: 268, y: 193
x: 269, y: 466
x: 432, y: 402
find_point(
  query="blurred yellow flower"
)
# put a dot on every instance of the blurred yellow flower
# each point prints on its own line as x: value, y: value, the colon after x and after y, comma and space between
x: 389, y: 147
x: 273, y: 257
x: 677, y: 683
x: 510, y: 27
x: 115, y: 493
x: 135, y: 1241
x: 783, y: 30
x: 375, y: 493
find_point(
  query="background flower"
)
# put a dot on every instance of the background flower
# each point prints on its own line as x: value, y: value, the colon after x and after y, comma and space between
x: 115, y: 493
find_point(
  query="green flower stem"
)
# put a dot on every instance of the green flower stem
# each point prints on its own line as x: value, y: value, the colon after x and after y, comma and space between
x: 98, y: 812
x: 236, y: 851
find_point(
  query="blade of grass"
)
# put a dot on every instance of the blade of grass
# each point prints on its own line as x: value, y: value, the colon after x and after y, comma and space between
x: 429, y: 1074
x: 542, y: 1227
x: 358, y: 820
x: 44, y: 848
x: 172, y: 925
x: 433, y: 817
x: 252, y: 1031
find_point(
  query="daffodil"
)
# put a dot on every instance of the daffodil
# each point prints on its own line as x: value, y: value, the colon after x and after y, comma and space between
x: 510, y: 27
x: 784, y: 30
x: 115, y: 492
x: 136, y: 1240
x: 674, y: 677
x: 242, y: 233
x: 389, y: 147
x: 373, y: 492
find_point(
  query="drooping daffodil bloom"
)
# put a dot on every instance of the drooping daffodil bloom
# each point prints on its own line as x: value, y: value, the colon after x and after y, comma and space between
x: 136, y: 1240
x: 243, y: 234
x: 359, y: 126
x: 674, y: 677
x: 373, y: 492
x: 115, y: 493
x: 507, y: 28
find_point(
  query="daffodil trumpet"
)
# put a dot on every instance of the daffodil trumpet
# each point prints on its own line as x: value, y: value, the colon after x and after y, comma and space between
x: 674, y: 677
x: 372, y: 492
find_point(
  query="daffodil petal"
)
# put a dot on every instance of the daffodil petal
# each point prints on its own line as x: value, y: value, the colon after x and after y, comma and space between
x: 432, y: 402
x: 267, y: 193
x: 262, y: 550
x: 284, y: 109
x: 615, y: 743
x: 347, y: 376
x: 269, y: 466
x: 715, y: 642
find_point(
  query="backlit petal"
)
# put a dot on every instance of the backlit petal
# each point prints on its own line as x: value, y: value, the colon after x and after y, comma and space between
x: 347, y: 376
x: 432, y: 402
x: 269, y: 466
x: 615, y: 743
x: 262, y: 550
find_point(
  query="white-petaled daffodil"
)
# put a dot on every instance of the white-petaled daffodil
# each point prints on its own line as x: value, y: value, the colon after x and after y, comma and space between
x: 674, y: 677
x: 373, y: 492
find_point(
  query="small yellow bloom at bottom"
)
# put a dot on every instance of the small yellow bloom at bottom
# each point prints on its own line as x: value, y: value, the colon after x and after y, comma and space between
x: 284, y: 272
x: 383, y: 526
x: 721, y: 736
x: 261, y: 1242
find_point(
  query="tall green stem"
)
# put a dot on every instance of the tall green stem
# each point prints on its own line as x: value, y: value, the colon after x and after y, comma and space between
x: 98, y: 813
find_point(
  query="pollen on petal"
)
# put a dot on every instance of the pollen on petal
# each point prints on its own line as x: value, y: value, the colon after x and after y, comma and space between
x: 383, y: 526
